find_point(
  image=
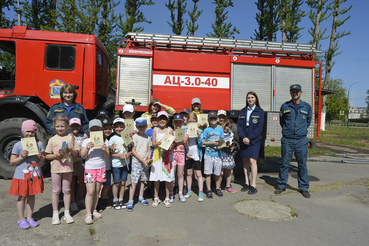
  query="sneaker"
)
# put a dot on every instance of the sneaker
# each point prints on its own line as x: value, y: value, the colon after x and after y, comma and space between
x: 73, y: 207
x: 305, y: 194
x: 130, y: 206
x: 189, y: 194
x: 142, y: 202
x: 96, y: 215
x: 230, y: 190
x: 116, y: 205
x: 171, y: 197
x: 252, y: 190
x: 32, y: 223
x: 219, y: 192
x: 246, y: 187
x: 201, y: 197
x: 55, y: 220
x: 68, y: 219
x: 122, y: 205
x: 209, y: 194
x: 182, y: 198
x: 279, y: 191
x: 23, y: 225
x: 88, y: 219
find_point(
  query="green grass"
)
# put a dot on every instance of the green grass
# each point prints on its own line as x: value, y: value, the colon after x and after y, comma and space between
x: 271, y: 151
x: 346, y: 136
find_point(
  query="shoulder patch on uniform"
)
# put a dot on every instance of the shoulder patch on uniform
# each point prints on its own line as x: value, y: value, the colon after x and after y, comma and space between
x: 78, y: 112
x: 303, y: 111
x: 255, y: 116
x: 286, y: 111
x: 58, y: 110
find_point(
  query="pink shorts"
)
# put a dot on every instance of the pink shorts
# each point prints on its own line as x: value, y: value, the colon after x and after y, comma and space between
x: 178, y: 158
x: 95, y: 175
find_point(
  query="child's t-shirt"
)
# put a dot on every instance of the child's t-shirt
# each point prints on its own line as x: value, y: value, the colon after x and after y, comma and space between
x: 142, y: 144
x: 53, y: 146
x: 193, y: 149
x: 95, y: 158
x: 228, y: 137
x: 120, y: 148
x: 21, y: 167
x: 213, y: 134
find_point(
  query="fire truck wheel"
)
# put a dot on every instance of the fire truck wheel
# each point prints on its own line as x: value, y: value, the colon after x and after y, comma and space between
x: 10, y: 133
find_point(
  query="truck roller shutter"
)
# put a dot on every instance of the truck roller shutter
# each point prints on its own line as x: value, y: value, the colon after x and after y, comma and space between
x: 134, y: 78
x: 257, y: 78
x: 285, y: 77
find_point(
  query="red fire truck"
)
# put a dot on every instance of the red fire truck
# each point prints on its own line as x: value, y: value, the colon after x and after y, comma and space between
x: 175, y: 69
x: 33, y: 67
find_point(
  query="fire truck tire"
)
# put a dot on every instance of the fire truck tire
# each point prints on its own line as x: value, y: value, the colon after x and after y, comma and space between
x: 10, y: 133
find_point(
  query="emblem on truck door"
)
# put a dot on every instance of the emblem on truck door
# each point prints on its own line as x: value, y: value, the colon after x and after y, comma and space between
x: 54, y: 88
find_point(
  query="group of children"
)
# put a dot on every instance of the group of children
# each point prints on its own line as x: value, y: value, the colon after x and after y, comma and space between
x: 144, y: 158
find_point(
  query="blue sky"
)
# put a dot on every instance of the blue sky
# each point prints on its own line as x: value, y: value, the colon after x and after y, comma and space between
x: 352, y: 65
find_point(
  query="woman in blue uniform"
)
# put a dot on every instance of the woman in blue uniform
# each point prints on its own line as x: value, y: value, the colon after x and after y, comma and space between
x: 250, y: 127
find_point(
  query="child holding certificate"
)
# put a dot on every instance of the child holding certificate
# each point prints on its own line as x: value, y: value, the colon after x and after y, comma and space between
x: 162, y: 168
x: 180, y: 144
x: 27, y: 180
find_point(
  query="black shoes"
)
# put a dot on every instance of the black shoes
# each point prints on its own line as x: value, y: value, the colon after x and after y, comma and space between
x: 219, y: 193
x: 279, y: 191
x: 305, y: 194
x: 252, y: 190
x: 209, y: 194
x: 246, y: 187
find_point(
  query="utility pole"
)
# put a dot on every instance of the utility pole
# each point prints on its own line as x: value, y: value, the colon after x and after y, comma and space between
x: 348, y: 103
x: 19, y: 12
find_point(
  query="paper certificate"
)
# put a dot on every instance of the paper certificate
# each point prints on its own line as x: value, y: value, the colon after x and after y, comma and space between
x: 202, y: 119
x: 97, y: 139
x: 222, y: 143
x: 130, y: 124
x: 180, y: 134
x: 166, y: 141
x: 127, y: 137
x: 63, y: 151
x: 30, y: 145
x: 192, y: 130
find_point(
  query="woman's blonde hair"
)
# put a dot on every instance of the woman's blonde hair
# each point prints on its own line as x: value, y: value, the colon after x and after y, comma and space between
x: 70, y: 88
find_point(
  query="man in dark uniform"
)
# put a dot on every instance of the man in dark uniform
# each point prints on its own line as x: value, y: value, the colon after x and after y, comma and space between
x: 295, y: 119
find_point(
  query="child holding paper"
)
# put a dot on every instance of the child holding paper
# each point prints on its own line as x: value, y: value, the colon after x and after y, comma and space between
x: 162, y: 168
x: 27, y: 180
x: 213, y: 161
x: 179, y: 156
x: 120, y: 161
x: 95, y: 169
x: 140, y: 168
x: 61, y: 166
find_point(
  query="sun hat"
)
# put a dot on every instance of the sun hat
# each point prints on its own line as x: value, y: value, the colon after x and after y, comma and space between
x: 141, y: 122
x: 121, y: 120
x: 29, y: 125
x: 94, y: 122
x: 129, y: 108
x: 74, y: 121
x: 163, y: 113
x: 222, y: 112
x: 196, y: 100
x: 178, y: 117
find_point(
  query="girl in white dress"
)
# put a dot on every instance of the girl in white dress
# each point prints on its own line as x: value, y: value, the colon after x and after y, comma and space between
x: 162, y: 168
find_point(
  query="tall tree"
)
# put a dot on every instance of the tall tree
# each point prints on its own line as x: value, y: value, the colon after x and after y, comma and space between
x: 4, y: 21
x: 194, y: 16
x: 221, y: 29
x: 336, y: 102
x: 40, y: 14
x: 318, y: 13
x: 133, y: 16
x: 177, y: 11
x: 290, y: 16
x: 333, y: 49
x: 267, y: 20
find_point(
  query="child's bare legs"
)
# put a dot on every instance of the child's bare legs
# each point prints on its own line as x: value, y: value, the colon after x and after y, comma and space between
x: 180, y: 170
x: 218, y: 180
x: 254, y: 171
x: 189, y: 178
x: 142, y: 187
x: 156, y: 189
x: 132, y: 191
x: 96, y: 196
x: 90, y: 194
x: 228, y: 177
x: 30, y: 206
x: 168, y: 186
x: 208, y: 181
x: 122, y: 189
x: 199, y: 180
x: 72, y: 189
x: 115, y: 190
x: 104, y: 192
x: 81, y: 187
x: 20, y: 207
x: 246, y: 170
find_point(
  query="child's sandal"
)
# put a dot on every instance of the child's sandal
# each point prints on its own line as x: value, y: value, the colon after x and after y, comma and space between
x: 88, y: 219
x: 97, y: 215
x: 156, y: 202
x: 167, y: 203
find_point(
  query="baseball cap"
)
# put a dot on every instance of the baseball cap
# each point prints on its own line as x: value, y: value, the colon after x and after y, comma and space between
x: 29, y: 125
x: 295, y: 87
x: 94, y: 122
x: 121, y: 120
x: 141, y: 121
x: 106, y: 122
x: 185, y: 110
x: 212, y: 114
x: 222, y: 112
x: 154, y: 115
x: 178, y: 117
x: 129, y: 108
x: 195, y: 100
x: 163, y: 113
x: 102, y: 113
x: 74, y: 121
